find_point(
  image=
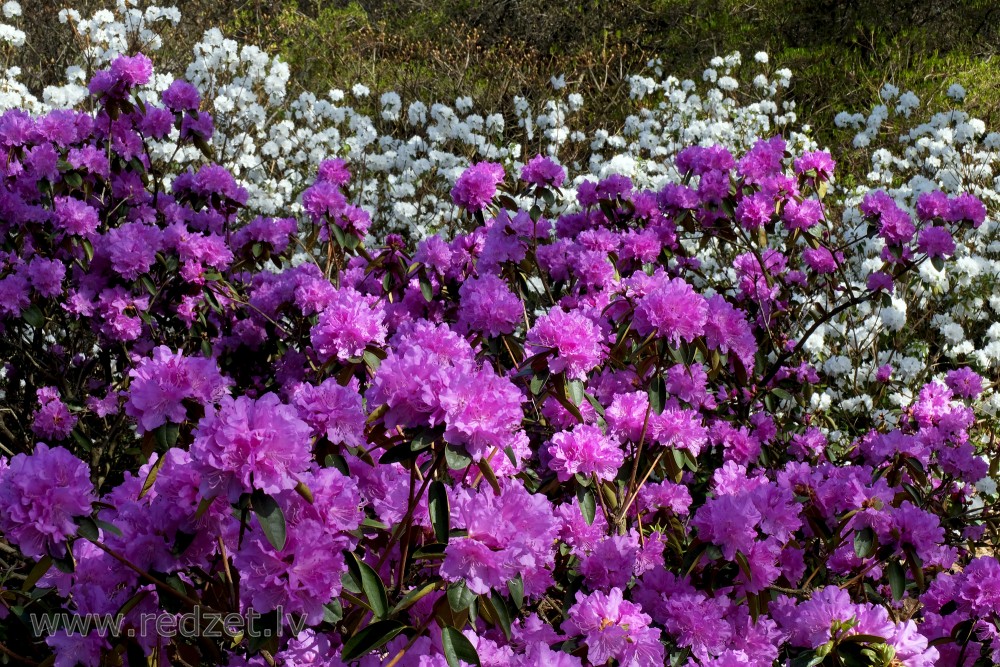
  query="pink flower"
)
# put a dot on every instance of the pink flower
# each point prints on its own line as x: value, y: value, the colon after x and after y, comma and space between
x: 585, y: 450
x: 477, y: 186
x: 614, y: 629
x: 572, y: 336
x: 249, y: 444
x: 41, y: 493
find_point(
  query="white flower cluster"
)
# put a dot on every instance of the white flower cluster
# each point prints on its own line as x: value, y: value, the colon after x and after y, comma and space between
x: 407, y: 154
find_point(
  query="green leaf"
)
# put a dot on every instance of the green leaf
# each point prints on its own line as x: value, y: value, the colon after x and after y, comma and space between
x: 333, y: 611
x: 33, y: 316
x: 574, y: 390
x: 864, y: 542
x: 413, y: 596
x: 371, y: 584
x: 374, y: 636
x: 588, y: 504
x: 457, y: 648
x: 460, y: 597
x: 271, y: 519
x: 456, y: 458
x: 938, y: 263
x: 166, y: 435
x: 516, y: 588
x: 502, y: 613
x: 440, y: 511
x: 897, y: 579
x: 657, y: 394
x: 37, y: 572
x: 88, y: 529
x: 489, y: 475
x: 426, y: 289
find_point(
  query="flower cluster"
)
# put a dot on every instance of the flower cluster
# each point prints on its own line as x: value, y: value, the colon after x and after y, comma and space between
x: 606, y: 423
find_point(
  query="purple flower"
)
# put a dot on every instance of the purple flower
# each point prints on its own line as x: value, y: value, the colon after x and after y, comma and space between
x: 614, y: 628
x: 728, y: 521
x: 249, y: 444
x: 334, y: 171
x: 965, y: 382
x: 727, y: 330
x: 755, y: 211
x: 967, y: 207
x: 584, y: 450
x: 672, y: 309
x: 936, y: 242
x: 160, y: 386
x: 821, y: 260
x: 488, y: 306
x: 181, y: 96
x: 132, y: 248
x: 543, y: 172
x: 818, y: 162
x: 332, y: 410
x: 41, y: 494
x: 573, y: 337
x: 74, y: 216
x: 931, y: 205
x: 132, y: 71
x: 477, y: 186
x: 506, y: 535
x: 802, y: 215
x: 482, y: 411
x: 53, y: 419
x: 348, y: 324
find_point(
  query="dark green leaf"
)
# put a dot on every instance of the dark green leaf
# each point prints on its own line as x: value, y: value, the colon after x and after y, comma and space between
x: 516, y: 588
x: 657, y: 394
x: 574, y: 390
x: 456, y: 458
x: 33, y: 316
x: 460, y: 597
x: 374, y: 636
x: 271, y: 519
x: 333, y: 611
x: 440, y: 511
x: 588, y: 504
x: 457, y: 648
x: 864, y: 542
x: 371, y: 584
x: 897, y: 579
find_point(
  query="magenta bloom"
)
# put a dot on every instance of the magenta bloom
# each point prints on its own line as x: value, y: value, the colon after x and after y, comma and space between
x: 614, y: 628
x: 802, y: 215
x: 936, y: 242
x: 673, y: 309
x: 477, y: 186
x: 821, y: 260
x: 965, y: 382
x: 585, y: 450
x: 53, y: 419
x: 348, y: 324
x: 249, y: 444
x: 575, y: 339
x: 181, y: 96
x: 482, y: 410
x: 818, y: 162
x: 507, y: 535
x: 755, y: 211
x: 41, y: 494
x: 543, y: 171
x: 162, y: 383
x: 488, y: 306
x: 74, y: 216
x: 727, y: 330
x: 132, y: 70
x: 332, y: 410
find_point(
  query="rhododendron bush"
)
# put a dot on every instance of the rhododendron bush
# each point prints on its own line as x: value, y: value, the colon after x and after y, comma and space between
x: 599, y: 424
